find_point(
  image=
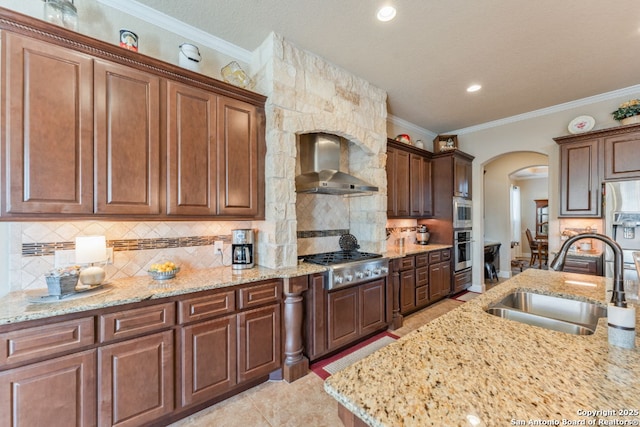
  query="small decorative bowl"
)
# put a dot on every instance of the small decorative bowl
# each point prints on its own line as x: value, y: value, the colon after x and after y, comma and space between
x: 163, y: 275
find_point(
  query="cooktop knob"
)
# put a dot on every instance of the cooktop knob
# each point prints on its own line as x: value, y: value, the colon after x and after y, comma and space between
x: 359, y: 274
x: 348, y: 277
x: 337, y: 279
x: 367, y: 273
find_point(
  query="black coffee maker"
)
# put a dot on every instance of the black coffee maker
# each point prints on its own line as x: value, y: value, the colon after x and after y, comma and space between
x: 241, y: 249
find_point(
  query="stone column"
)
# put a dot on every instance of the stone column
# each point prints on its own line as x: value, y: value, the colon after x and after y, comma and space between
x: 296, y: 365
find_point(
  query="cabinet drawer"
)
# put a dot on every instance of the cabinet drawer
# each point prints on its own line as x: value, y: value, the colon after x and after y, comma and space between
x: 253, y: 296
x: 435, y: 256
x: 422, y: 260
x: 407, y: 262
x: 462, y: 280
x: 422, y: 276
x: 48, y: 340
x: 206, y: 306
x: 446, y: 254
x: 137, y: 321
x: 422, y: 295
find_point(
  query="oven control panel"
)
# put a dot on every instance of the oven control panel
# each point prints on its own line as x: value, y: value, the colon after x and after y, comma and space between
x: 356, y: 272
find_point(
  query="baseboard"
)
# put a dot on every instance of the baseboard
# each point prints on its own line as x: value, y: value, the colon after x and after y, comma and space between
x: 475, y: 288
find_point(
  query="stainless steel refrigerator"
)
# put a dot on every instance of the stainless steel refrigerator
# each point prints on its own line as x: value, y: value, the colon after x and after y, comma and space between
x: 622, y: 224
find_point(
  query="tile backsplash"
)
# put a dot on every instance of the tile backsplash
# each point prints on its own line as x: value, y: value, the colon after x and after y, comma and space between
x: 136, y: 246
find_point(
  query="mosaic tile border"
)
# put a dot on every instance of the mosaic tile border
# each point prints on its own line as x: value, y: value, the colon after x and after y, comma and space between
x: 321, y: 233
x: 43, y: 249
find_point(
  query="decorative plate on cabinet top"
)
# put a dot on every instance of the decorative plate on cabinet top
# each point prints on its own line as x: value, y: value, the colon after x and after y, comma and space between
x: 581, y: 124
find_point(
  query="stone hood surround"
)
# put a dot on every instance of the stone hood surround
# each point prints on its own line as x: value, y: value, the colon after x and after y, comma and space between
x: 308, y: 94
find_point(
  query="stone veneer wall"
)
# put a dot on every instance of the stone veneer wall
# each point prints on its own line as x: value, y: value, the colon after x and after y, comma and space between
x: 308, y: 94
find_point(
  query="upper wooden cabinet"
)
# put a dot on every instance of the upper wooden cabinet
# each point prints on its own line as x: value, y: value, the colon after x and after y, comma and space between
x: 47, y: 115
x: 127, y: 140
x: 462, y: 171
x: 451, y: 177
x: 191, y: 150
x: 240, y: 159
x: 93, y: 130
x: 621, y: 155
x: 409, y: 190
x: 588, y: 159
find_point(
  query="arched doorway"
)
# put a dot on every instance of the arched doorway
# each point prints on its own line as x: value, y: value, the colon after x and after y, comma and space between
x: 499, y: 175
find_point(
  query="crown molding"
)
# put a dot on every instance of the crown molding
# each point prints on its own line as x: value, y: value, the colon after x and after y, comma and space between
x: 408, y: 125
x: 631, y: 90
x: 176, y: 26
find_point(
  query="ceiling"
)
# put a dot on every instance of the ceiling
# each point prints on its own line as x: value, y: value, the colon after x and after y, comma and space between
x: 527, y: 55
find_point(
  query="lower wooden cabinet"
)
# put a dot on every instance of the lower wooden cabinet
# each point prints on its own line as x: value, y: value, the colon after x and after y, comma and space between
x: 59, y: 392
x: 151, y: 363
x: 584, y: 265
x: 337, y: 318
x: 258, y: 342
x: 136, y: 380
x: 208, y: 359
x: 424, y: 278
x: 439, y: 281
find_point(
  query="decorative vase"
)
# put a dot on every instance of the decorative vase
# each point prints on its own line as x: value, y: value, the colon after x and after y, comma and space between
x: 630, y: 120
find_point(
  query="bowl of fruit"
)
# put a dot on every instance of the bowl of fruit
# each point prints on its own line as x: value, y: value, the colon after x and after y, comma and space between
x: 162, y: 271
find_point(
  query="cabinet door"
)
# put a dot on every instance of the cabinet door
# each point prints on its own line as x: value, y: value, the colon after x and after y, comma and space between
x: 127, y: 126
x: 462, y: 177
x: 579, y: 192
x: 208, y: 359
x: 427, y: 188
x: 416, y: 185
x: 191, y: 151
x: 398, y: 204
x: 135, y: 380
x: 372, y: 301
x: 49, y: 107
x: 259, y: 347
x: 421, y: 200
x: 621, y: 159
x: 57, y: 393
x: 342, y: 317
x: 407, y: 291
x: 439, y: 280
x: 239, y: 178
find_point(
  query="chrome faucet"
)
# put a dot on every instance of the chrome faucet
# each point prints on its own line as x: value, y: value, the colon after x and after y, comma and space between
x: 617, y: 298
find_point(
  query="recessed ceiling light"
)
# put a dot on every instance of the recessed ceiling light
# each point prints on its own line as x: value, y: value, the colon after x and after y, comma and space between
x: 474, y: 88
x: 386, y: 13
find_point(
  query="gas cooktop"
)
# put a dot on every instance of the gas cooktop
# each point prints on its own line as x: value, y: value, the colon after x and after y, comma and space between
x: 339, y: 257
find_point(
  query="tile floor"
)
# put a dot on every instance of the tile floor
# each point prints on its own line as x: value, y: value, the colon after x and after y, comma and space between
x: 301, y: 403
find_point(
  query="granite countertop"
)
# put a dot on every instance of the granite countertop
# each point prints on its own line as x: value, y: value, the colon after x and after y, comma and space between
x: 18, y: 306
x: 412, y: 249
x: 588, y: 254
x: 471, y: 368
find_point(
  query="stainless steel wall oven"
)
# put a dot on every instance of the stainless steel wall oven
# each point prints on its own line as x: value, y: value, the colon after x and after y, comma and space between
x: 462, y: 242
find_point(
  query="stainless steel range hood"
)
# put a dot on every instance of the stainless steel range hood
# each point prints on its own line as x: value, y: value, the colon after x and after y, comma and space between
x: 320, y: 165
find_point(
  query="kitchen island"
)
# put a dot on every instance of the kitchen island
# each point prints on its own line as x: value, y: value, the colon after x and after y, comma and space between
x: 468, y: 367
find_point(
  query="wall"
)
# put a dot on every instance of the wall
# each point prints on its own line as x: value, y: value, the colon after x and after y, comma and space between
x: 104, y: 23
x: 534, y: 132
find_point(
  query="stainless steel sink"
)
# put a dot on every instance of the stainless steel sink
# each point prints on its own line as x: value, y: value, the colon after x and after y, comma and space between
x: 550, y: 312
